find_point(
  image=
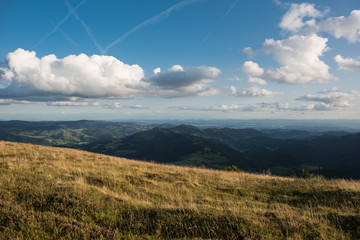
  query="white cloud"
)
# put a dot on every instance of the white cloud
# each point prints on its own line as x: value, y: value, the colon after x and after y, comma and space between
x: 27, y: 77
x: 12, y: 101
x: 117, y: 105
x: 200, y: 90
x: 327, y: 100
x: 347, y: 64
x: 176, y: 68
x: 252, y: 69
x: 293, y: 20
x: 69, y: 104
x: 75, y: 75
x: 346, y: 27
x: 156, y: 70
x: 183, y: 81
x: 254, y: 72
x: 299, y: 57
x: 330, y: 99
x: 259, y: 107
x: 252, y: 92
x: 257, y: 80
x: 227, y: 108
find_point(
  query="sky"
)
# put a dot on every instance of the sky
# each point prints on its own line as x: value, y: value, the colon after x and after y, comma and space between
x: 173, y: 59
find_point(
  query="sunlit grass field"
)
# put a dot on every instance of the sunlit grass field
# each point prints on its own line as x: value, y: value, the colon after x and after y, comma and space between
x: 59, y: 193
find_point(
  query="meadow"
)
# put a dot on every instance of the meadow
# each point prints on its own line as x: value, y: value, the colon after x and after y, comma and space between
x: 61, y: 193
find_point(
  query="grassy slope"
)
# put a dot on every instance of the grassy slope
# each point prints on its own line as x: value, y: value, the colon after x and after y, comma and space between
x: 54, y: 193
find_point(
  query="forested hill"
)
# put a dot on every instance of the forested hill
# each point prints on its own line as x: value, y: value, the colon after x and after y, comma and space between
x: 281, y: 151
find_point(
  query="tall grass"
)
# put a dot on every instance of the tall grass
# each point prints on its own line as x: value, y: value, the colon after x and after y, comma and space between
x: 57, y: 193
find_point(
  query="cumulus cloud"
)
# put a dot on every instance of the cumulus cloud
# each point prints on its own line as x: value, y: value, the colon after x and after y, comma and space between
x: 330, y: 99
x: 176, y: 68
x: 183, y: 81
x: 346, y: 27
x: 27, y: 77
x: 178, y: 76
x: 156, y: 70
x: 299, y: 57
x: 347, y: 64
x: 75, y: 75
x: 254, y: 72
x: 252, y: 92
x: 293, y: 20
x: 253, y: 69
x: 257, y: 80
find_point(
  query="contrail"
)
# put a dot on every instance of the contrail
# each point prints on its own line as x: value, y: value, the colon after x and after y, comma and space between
x: 59, y: 24
x: 229, y: 10
x: 67, y: 38
x: 221, y: 19
x: 151, y: 20
x: 85, y: 26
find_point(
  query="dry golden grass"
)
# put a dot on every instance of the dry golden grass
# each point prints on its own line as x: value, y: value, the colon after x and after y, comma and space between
x: 54, y: 193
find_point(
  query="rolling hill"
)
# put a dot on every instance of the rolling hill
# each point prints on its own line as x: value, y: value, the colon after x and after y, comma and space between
x: 59, y: 193
x: 73, y: 134
x: 249, y: 149
x: 284, y: 152
x: 165, y: 145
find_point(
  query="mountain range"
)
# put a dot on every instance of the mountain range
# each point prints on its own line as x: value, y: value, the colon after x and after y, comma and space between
x: 279, y: 151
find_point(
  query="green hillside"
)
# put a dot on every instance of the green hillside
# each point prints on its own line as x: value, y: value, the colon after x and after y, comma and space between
x: 58, y: 193
x: 331, y: 156
x: 283, y: 152
x: 73, y: 134
x: 165, y: 145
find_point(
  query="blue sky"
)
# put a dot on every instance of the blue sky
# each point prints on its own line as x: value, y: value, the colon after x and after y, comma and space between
x: 72, y: 59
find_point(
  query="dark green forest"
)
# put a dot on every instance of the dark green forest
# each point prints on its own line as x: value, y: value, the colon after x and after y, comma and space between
x: 284, y: 152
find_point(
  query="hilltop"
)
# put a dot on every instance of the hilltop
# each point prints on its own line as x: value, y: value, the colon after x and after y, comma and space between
x: 54, y: 193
